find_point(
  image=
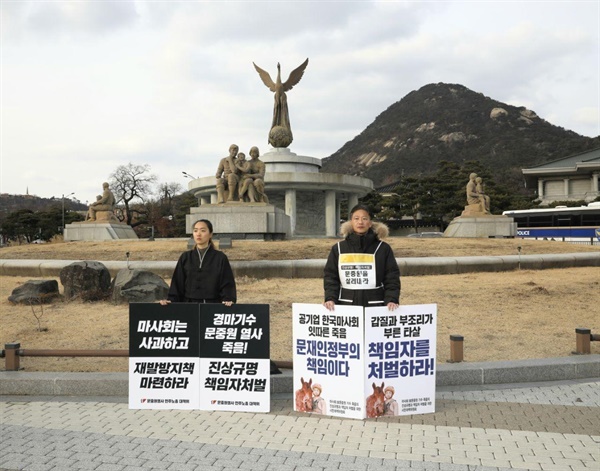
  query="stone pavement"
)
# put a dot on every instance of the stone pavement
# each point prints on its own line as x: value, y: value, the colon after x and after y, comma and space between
x: 538, y: 426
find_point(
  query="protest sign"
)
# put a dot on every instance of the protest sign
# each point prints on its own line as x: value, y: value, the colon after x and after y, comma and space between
x: 234, y: 357
x: 328, y: 360
x: 199, y: 356
x: 163, y: 356
x: 364, y: 362
x: 400, y: 348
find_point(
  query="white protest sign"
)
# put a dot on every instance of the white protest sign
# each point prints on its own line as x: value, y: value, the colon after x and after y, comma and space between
x: 400, y: 349
x: 328, y: 360
x: 164, y: 368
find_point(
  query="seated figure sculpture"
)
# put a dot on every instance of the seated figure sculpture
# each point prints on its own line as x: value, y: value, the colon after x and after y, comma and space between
x: 254, y: 180
x: 485, y: 199
x: 104, y: 204
x: 244, y: 186
x: 477, y: 203
x: 89, y: 212
x: 227, y: 175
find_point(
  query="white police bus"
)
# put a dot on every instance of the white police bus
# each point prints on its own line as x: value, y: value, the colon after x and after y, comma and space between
x: 580, y: 224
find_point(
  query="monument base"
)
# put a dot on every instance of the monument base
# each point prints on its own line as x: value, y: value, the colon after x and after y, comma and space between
x: 242, y: 220
x: 98, y: 231
x: 481, y: 226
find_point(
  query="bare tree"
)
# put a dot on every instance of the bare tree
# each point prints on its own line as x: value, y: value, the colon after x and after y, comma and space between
x: 166, y: 192
x: 131, y: 183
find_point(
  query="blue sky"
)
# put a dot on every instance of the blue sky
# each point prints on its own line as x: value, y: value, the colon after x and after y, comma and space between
x: 90, y: 85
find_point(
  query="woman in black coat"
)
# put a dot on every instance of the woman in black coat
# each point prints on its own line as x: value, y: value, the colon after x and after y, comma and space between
x: 361, y: 270
x: 203, y: 274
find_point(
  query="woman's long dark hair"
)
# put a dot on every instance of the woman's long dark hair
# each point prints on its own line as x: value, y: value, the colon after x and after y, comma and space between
x: 210, y: 229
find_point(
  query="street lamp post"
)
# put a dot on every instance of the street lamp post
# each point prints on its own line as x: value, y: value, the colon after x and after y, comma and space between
x: 185, y: 174
x: 62, y: 231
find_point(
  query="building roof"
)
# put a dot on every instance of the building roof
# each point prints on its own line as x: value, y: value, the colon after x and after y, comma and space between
x: 582, y: 164
x: 571, y: 162
x: 389, y: 188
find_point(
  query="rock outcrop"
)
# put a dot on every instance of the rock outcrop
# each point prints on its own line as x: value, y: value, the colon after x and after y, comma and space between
x: 35, y: 292
x: 87, y: 280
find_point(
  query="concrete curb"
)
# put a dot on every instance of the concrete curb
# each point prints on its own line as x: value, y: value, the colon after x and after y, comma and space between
x: 20, y: 383
x: 410, y: 266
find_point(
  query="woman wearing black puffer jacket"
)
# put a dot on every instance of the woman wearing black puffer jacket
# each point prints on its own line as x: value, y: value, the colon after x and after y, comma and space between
x: 203, y: 274
x: 361, y: 270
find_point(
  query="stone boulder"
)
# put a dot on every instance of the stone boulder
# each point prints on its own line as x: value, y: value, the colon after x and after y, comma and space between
x: 35, y: 292
x: 137, y: 286
x: 87, y: 280
x: 453, y: 137
x: 426, y: 127
x: 525, y: 120
x: 528, y: 114
x: 498, y: 113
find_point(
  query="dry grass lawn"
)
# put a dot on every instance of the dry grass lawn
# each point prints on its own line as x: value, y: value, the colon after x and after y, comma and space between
x: 297, y: 249
x: 503, y: 316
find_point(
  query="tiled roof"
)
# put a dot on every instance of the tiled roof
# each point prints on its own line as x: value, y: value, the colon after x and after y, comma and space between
x: 572, y: 161
x: 387, y: 188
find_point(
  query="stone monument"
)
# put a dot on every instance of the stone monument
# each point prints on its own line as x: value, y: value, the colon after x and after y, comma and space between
x: 281, y: 194
x: 100, y: 222
x: 476, y: 220
x: 240, y: 208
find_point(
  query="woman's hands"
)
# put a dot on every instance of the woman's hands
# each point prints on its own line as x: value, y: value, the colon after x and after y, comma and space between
x: 330, y: 305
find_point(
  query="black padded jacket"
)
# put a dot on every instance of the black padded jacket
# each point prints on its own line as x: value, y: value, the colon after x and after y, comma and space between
x: 209, y: 280
x: 387, y: 273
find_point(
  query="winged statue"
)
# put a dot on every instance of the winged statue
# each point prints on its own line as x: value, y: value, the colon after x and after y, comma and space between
x: 281, y: 131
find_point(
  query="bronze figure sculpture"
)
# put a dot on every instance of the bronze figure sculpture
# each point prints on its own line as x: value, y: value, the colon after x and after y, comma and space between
x: 280, y: 134
x: 227, y: 175
x: 484, y: 198
x: 104, y: 204
x: 253, y: 182
x: 476, y: 197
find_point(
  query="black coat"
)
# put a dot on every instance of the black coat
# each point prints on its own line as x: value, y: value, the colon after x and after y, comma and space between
x: 210, y: 281
x: 387, y: 273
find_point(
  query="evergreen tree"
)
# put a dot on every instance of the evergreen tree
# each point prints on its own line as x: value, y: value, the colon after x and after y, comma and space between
x: 22, y: 224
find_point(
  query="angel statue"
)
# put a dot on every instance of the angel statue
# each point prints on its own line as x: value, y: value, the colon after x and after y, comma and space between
x: 280, y: 134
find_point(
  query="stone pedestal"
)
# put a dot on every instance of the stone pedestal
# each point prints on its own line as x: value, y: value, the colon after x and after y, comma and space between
x: 242, y: 220
x: 105, y: 216
x: 98, y: 231
x: 481, y: 226
x: 474, y: 210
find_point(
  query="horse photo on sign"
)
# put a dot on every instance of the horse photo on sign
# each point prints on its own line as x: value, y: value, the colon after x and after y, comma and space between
x: 304, y: 399
x: 376, y: 401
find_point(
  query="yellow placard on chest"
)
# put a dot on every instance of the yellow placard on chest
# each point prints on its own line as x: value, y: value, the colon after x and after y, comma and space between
x: 357, y: 258
x: 357, y: 270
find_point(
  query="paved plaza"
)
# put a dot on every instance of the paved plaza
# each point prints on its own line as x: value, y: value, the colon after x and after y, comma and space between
x: 536, y: 426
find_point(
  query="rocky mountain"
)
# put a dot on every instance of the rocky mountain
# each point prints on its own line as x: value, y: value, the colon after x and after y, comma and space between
x: 450, y: 122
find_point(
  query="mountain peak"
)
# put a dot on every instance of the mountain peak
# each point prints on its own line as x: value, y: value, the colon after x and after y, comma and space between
x: 442, y: 121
